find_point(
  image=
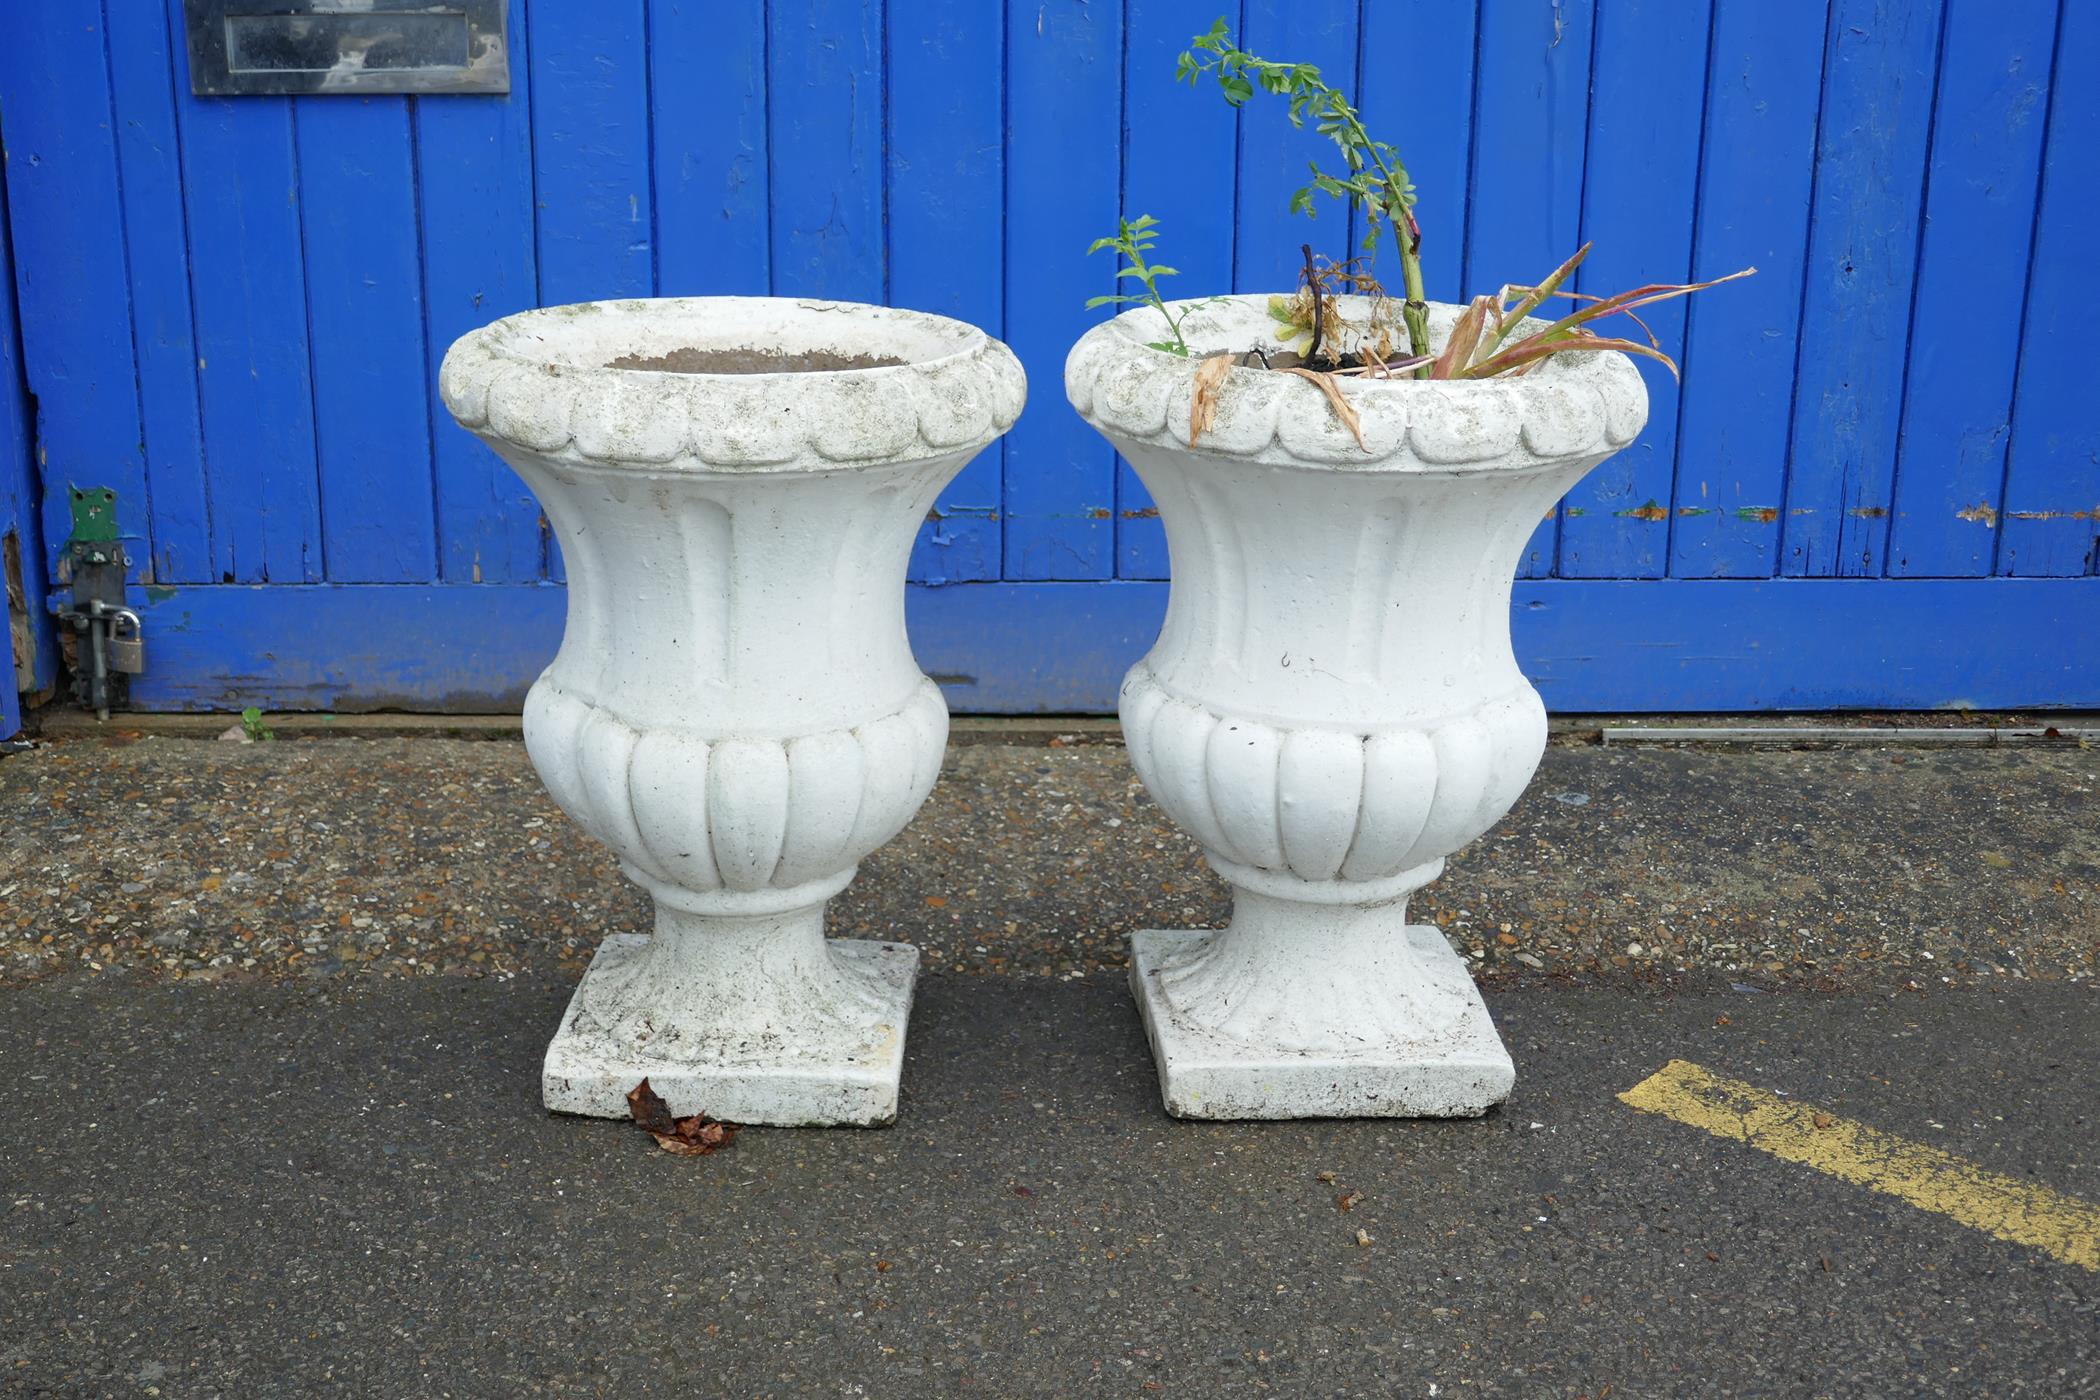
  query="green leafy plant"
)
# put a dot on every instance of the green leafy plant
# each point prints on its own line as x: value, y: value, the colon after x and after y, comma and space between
x: 1372, y: 176
x: 252, y: 725
x: 1489, y: 338
x: 1131, y: 241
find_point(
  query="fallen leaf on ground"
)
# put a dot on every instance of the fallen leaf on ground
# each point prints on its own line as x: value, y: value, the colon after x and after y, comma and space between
x: 1348, y: 1202
x: 695, y: 1135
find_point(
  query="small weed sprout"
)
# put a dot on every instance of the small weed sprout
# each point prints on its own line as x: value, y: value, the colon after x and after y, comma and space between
x: 1130, y: 243
x: 253, y: 727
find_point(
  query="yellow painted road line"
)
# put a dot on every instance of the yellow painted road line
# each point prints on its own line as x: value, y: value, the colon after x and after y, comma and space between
x: 2063, y: 1227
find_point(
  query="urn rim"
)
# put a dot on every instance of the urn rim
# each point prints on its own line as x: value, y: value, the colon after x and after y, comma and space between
x: 549, y: 383
x: 1583, y: 404
x: 589, y: 337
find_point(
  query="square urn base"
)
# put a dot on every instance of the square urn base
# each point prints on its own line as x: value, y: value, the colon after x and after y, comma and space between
x: 1460, y: 1072
x: 828, y: 1078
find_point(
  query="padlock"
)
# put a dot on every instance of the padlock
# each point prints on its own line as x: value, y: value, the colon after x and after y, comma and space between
x: 127, y: 642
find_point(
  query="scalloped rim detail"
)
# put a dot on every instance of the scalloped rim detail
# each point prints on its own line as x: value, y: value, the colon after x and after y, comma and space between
x: 1585, y: 405
x: 643, y: 420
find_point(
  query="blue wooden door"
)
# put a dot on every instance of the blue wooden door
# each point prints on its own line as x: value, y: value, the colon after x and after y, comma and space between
x: 1876, y: 486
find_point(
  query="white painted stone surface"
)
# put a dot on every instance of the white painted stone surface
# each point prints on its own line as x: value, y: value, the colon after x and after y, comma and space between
x: 1332, y: 706
x: 735, y: 709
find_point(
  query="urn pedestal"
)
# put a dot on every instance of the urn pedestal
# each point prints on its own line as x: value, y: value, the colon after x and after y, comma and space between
x: 1332, y: 706
x: 734, y: 710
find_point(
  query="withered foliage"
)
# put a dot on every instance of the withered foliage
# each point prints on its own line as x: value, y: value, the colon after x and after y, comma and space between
x: 695, y: 1135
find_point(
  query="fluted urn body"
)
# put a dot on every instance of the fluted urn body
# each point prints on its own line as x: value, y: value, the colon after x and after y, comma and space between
x: 735, y: 709
x: 1332, y: 706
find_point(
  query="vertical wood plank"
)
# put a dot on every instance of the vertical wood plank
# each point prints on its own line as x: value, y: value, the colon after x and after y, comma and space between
x: 707, y: 64
x: 145, y: 78
x: 1063, y: 110
x: 590, y: 130
x: 68, y: 219
x: 947, y: 173
x: 474, y: 178
x: 1180, y: 166
x: 30, y: 663
x: 2051, y: 518
x: 1529, y: 145
x: 1870, y: 177
x: 1971, y: 289
x: 254, y: 375
x: 1640, y: 188
x: 595, y: 223
x: 1417, y: 93
x: 1274, y: 154
x: 357, y: 200
x: 1733, y: 418
x: 824, y: 110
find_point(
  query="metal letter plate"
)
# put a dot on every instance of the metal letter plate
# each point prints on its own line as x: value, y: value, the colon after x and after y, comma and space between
x: 356, y: 47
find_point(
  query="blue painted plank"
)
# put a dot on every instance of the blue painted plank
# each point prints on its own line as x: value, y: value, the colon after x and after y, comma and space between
x: 591, y: 171
x: 946, y: 180
x: 824, y: 75
x: 357, y: 188
x: 475, y: 182
x: 27, y: 663
x: 146, y: 72
x: 1870, y: 177
x: 707, y: 84
x: 1415, y: 91
x: 1640, y: 646
x: 1529, y: 145
x: 1274, y: 155
x: 68, y: 220
x: 2051, y: 521
x: 254, y: 374
x: 1064, y: 134
x: 1590, y: 645
x: 590, y: 127
x: 1732, y: 425
x: 1640, y: 189
x: 1180, y: 166
x: 1971, y: 289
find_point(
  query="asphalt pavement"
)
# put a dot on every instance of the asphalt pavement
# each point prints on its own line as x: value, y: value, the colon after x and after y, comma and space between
x: 331, y: 1176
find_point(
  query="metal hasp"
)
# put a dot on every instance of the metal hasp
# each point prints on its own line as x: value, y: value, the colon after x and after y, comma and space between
x: 358, y: 47
x: 112, y: 639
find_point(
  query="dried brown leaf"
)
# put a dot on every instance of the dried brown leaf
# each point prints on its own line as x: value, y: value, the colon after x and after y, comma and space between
x: 1203, y: 402
x: 648, y: 1110
x: 695, y: 1135
x: 1464, y: 339
x: 1331, y: 387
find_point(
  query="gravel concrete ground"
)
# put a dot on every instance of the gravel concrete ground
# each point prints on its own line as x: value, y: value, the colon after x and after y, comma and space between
x: 414, y: 857
x: 271, y: 1017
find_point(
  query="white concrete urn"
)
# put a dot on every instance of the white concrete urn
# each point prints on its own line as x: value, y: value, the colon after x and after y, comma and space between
x: 1332, y: 706
x: 735, y: 709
